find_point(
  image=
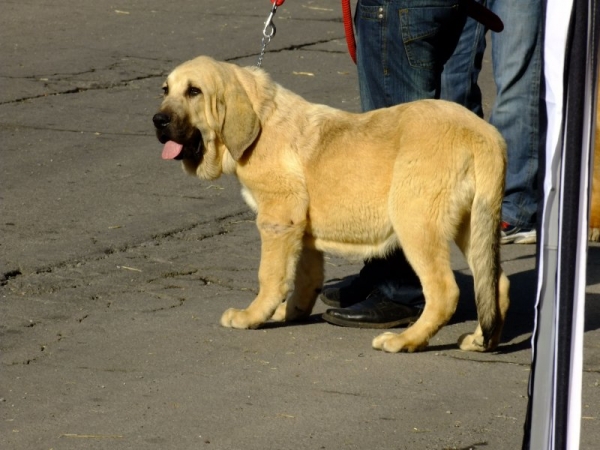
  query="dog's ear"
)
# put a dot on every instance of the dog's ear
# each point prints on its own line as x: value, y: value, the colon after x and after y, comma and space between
x: 240, y: 125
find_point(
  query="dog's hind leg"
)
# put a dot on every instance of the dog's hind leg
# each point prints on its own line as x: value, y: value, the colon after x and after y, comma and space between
x: 307, y: 285
x: 475, y: 341
x: 429, y: 254
x: 478, y: 239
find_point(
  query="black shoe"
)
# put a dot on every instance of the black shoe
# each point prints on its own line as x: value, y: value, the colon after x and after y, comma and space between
x: 378, y: 311
x: 392, y: 270
x: 349, y: 291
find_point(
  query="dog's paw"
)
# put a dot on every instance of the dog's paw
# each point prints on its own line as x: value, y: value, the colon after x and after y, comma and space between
x: 287, y: 312
x: 472, y: 343
x: 594, y: 234
x: 394, y: 343
x: 238, y: 318
x: 280, y: 314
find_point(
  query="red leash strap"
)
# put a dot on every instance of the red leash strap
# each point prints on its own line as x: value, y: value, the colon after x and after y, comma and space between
x: 277, y: 3
x: 349, y: 29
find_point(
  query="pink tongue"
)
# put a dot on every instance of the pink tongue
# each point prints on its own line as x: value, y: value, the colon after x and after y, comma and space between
x: 171, y: 150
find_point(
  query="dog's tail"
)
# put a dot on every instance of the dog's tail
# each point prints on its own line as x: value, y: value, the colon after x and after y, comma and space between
x: 484, y: 243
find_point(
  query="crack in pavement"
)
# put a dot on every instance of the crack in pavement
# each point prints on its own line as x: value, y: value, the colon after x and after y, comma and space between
x: 203, y: 279
x: 16, y: 274
x: 166, y: 308
x: 76, y: 90
x: 7, y: 276
x: 13, y: 127
x: 125, y: 82
x: 292, y: 48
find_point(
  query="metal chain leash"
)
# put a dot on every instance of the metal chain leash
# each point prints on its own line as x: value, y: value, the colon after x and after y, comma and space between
x: 268, y: 32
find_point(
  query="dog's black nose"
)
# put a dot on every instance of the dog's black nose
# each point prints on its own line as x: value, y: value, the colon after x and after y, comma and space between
x: 161, y: 120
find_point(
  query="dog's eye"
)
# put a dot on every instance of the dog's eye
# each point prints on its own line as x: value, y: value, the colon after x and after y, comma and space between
x: 165, y: 90
x: 193, y: 91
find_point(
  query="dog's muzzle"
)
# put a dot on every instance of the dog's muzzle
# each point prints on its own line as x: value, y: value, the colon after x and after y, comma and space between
x: 161, y: 120
x: 179, y: 143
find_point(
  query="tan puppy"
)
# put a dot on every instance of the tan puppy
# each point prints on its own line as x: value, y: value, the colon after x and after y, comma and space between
x: 595, y: 202
x: 323, y: 180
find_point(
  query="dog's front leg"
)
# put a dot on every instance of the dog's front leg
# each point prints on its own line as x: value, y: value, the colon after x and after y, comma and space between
x: 309, y: 279
x: 280, y: 247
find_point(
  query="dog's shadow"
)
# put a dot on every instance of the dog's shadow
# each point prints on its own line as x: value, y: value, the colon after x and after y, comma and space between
x: 310, y: 320
x: 520, y: 315
x: 523, y: 293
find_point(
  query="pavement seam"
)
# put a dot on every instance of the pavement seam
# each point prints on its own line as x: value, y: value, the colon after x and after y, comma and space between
x: 291, y: 48
x: 100, y: 255
x: 124, y: 83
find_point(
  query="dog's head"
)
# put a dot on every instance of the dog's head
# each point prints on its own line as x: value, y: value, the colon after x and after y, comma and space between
x: 205, y: 113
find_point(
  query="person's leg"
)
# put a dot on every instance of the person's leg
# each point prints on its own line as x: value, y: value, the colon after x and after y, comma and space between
x: 516, y: 55
x: 402, y: 46
x: 461, y: 72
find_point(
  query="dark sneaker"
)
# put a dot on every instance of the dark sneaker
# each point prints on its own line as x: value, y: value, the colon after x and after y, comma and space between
x: 517, y: 235
x: 378, y: 311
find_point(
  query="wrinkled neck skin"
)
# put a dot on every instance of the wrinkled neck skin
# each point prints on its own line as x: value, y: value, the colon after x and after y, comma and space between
x: 216, y: 160
x: 266, y: 98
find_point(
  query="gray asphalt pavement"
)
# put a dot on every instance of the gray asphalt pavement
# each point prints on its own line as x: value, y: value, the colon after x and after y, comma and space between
x: 115, y: 266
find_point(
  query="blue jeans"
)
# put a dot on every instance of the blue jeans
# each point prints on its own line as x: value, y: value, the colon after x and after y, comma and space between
x: 402, y: 46
x: 517, y: 67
